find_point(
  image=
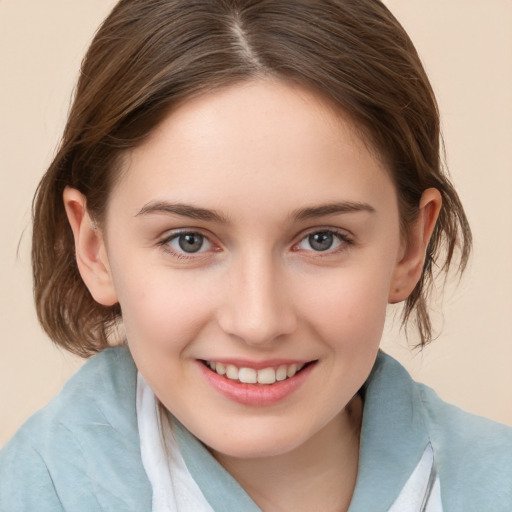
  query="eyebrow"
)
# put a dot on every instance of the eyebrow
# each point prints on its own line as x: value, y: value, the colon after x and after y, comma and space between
x: 331, y: 209
x: 182, y: 209
x: 194, y: 212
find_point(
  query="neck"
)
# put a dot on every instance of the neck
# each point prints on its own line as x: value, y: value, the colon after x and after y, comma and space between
x: 318, y: 475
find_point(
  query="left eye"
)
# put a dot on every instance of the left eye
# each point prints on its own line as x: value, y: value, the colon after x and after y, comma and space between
x: 189, y: 243
x: 321, y: 241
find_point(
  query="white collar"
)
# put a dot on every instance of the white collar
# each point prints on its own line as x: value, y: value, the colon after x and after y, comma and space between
x: 175, y: 490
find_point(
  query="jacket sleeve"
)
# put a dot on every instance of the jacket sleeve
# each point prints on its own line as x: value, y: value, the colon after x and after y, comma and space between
x: 80, y: 453
x: 25, y: 481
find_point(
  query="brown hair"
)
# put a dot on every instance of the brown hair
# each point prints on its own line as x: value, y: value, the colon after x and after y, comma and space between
x: 150, y: 54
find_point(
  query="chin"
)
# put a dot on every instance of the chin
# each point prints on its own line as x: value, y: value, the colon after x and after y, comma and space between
x: 255, y: 445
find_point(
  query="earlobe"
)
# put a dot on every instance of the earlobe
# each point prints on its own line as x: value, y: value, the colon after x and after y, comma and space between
x: 90, y: 250
x: 412, y: 259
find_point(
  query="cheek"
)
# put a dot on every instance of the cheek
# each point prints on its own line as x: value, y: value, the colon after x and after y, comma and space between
x: 349, y: 307
x: 159, y: 312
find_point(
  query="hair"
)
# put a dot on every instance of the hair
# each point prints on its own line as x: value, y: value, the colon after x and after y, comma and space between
x: 148, y: 55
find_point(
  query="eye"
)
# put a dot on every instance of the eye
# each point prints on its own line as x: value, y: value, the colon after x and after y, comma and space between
x: 322, y: 241
x: 188, y: 242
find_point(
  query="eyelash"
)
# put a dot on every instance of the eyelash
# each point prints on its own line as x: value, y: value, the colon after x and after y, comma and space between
x: 183, y: 255
x: 344, y: 240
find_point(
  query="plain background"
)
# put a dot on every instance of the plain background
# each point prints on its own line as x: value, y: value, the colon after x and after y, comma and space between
x: 466, y: 46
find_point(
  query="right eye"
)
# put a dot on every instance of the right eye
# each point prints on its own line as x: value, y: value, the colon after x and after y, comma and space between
x: 326, y: 241
x: 187, y: 243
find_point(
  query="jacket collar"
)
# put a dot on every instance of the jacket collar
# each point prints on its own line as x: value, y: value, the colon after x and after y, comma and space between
x: 393, y: 440
x: 393, y: 436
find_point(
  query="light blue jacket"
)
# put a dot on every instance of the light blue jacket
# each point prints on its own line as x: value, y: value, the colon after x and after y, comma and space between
x: 81, y: 452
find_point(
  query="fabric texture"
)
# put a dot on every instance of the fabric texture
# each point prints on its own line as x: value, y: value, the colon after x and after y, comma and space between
x: 82, y: 452
x: 173, y: 487
x: 163, y: 440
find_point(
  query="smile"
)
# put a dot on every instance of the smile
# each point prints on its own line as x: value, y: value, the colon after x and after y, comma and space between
x: 258, y: 384
x: 264, y: 376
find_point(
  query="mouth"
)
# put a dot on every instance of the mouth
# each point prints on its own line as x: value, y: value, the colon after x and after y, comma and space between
x: 256, y: 384
x: 263, y: 376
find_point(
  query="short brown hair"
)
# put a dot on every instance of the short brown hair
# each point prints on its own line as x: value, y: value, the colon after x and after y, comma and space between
x: 150, y: 54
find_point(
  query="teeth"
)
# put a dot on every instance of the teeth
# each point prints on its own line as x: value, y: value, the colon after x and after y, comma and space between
x: 281, y: 373
x: 252, y: 376
x: 266, y: 376
x: 231, y: 372
x: 292, y: 370
x: 220, y: 368
x: 247, y: 375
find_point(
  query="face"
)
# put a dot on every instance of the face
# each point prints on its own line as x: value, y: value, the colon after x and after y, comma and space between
x: 254, y: 234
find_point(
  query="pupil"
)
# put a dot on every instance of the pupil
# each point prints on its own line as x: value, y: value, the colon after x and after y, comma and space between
x: 321, y: 241
x: 191, y: 242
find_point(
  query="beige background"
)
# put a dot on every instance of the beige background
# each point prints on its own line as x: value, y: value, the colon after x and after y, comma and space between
x: 466, y: 46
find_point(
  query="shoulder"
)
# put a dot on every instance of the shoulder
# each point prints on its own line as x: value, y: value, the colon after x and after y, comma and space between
x: 473, y: 454
x: 461, y: 430
x: 86, y: 439
x: 101, y: 393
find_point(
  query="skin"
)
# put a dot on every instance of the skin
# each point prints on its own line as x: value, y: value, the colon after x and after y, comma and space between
x: 265, y: 157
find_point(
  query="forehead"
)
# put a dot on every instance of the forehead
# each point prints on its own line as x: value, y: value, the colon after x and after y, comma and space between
x: 264, y: 139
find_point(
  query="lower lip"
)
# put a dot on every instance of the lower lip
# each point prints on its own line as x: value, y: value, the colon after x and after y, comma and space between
x: 256, y: 394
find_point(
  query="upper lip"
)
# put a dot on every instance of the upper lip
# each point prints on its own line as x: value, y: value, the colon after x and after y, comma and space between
x: 259, y: 365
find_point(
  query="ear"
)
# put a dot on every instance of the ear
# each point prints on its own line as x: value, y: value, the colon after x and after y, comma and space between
x: 90, y: 250
x: 412, y: 257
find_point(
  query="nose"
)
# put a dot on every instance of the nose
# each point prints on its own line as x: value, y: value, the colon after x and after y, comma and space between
x: 257, y: 307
